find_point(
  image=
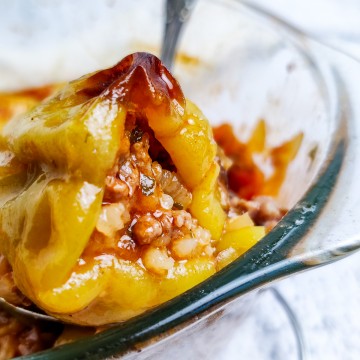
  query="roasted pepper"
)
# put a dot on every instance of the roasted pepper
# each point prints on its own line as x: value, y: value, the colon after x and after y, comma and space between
x: 55, y: 161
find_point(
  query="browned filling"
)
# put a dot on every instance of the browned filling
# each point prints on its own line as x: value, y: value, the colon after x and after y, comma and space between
x: 144, y: 208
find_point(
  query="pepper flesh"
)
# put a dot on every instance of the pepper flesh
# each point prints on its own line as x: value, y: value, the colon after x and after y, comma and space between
x: 64, y: 149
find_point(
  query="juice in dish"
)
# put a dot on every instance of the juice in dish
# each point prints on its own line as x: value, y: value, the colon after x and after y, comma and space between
x: 116, y: 197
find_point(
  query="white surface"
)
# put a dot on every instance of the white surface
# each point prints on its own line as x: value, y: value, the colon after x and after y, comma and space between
x: 326, y: 300
x: 334, y: 22
x: 327, y: 304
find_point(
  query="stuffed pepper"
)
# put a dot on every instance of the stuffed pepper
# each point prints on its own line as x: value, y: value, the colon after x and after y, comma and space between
x: 114, y: 196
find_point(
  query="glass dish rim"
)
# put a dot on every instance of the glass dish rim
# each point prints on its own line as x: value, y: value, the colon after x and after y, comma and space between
x: 268, y: 260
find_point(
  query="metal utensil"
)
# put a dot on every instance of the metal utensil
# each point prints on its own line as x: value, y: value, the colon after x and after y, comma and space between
x: 177, y: 14
x: 25, y: 314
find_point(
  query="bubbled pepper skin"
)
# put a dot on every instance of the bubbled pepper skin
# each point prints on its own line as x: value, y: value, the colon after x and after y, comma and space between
x: 52, y: 182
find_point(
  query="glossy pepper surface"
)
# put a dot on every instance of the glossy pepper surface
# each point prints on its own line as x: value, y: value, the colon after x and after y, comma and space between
x: 54, y: 161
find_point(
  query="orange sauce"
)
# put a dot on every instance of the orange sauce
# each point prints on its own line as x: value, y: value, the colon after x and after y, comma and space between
x: 245, y: 178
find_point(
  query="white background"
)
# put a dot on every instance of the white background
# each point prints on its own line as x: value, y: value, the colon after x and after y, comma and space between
x: 326, y: 300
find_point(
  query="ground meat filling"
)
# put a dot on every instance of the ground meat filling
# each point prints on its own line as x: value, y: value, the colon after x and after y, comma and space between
x: 263, y: 210
x: 18, y: 338
x: 144, y: 215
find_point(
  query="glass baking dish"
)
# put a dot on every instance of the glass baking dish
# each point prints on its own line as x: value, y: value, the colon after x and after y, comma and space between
x: 239, y: 64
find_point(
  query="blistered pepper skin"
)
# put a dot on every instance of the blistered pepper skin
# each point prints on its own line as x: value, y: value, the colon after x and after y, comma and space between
x: 52, y: 183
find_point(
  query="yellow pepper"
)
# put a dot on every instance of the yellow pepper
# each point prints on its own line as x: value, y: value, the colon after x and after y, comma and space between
x: 55, y: 159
